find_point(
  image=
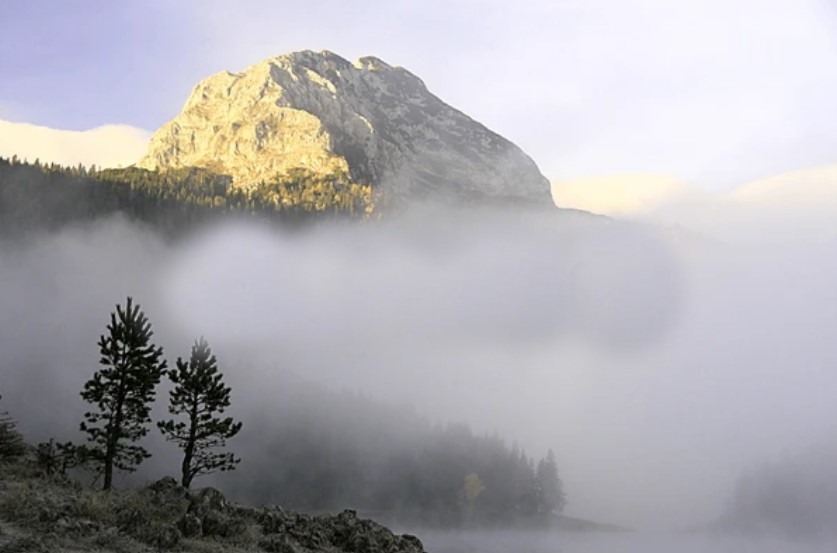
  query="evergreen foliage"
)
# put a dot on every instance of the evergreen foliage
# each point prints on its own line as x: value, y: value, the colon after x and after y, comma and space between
x: 122, y: 391
x: 319, y: 450
x: 199, y: 395
x: 11, y: 442
x: 36, y: 197
x: 48, y: 458
x: 56, y: 458
x: 551, y: 489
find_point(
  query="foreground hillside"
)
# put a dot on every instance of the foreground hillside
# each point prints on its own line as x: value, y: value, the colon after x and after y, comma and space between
x: 42, y: 514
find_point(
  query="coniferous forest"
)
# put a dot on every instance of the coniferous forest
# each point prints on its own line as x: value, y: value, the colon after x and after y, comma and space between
x: 36, y: 197
x: 389, y: 462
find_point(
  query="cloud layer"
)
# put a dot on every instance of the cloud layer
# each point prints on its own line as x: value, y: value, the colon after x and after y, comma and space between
x: 793, y: 206
x: 105, y: 146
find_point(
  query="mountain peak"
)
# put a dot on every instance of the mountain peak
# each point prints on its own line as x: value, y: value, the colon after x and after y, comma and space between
x: 371, y: 63
x: 372, y: 121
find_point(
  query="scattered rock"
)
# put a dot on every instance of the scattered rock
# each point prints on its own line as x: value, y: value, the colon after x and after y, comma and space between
x: 343, y: 532
x: 280, y: 544
x: 79, y: 527
x: 168, y: 488
x: 207, y: 499
x: 221, y: 525
x: 411, y: 541
x: 26, y: 544
x: 164, y: 536
x: 190, y: 526
x: 273, y: 520
x: 209, y: 514
x: 162, y: 514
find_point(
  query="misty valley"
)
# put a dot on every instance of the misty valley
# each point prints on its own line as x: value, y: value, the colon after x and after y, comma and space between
x: 354, y: 390
x: 321, y: 310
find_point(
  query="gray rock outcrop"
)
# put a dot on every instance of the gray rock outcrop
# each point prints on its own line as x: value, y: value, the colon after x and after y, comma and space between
x: 374, y: 122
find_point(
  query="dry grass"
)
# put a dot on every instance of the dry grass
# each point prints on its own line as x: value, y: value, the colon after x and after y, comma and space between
x: 77, y: 518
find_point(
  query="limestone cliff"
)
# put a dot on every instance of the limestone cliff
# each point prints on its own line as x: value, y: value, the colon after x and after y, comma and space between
x: 317, y: 111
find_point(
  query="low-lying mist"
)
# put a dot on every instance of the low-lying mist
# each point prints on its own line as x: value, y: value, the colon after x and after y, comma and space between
x: 658, y: 542
x: 658, y: 365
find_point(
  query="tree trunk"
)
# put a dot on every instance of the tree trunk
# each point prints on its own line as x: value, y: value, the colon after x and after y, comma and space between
x: 186, y: 480
x: 189, y: 450
x: 108, y: 474
x: 113, y: 435
x: 109, y: 454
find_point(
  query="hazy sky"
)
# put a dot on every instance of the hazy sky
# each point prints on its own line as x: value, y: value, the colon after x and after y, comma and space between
x: 657, y: 368
x: 709, y: 91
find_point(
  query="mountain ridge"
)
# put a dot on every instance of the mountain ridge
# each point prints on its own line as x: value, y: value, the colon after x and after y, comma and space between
x: 369, y: 121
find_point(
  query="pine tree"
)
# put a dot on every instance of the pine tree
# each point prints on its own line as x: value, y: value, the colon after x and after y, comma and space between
x: 55, y: 458
x: 122, y: 391
x: 11, y: 442
x: 552, y: 496
x: 200, y: 394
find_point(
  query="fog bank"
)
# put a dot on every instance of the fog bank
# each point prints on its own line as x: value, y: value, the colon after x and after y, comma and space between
x: 656, y: 364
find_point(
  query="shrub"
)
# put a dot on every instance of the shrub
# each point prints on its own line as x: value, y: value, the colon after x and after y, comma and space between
x: 11, y: 442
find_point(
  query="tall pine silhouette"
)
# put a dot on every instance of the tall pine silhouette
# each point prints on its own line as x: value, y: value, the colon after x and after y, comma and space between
x: 551, y: 488
x: 199, y: 395
x: 122, y: 391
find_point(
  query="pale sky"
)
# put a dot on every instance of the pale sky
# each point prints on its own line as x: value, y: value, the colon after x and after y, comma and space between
x: 712, y: 92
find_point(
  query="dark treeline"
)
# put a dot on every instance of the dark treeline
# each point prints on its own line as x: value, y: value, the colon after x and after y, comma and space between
x: 795, y: 497
x: 318, y: 450
x: 36, y: 197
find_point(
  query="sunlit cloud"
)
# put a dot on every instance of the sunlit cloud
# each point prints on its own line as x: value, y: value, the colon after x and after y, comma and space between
x: 105, y: 146
x: 797, y: 205
x: 626, y: 195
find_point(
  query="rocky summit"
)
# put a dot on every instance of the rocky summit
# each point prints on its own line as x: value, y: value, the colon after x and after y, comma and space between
x: 368, y: 121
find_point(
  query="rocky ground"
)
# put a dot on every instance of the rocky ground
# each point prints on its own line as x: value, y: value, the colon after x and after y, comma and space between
x: 39, y: 514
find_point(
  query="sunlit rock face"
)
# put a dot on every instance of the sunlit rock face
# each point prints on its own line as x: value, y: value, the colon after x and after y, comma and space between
x: 320, y: 112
